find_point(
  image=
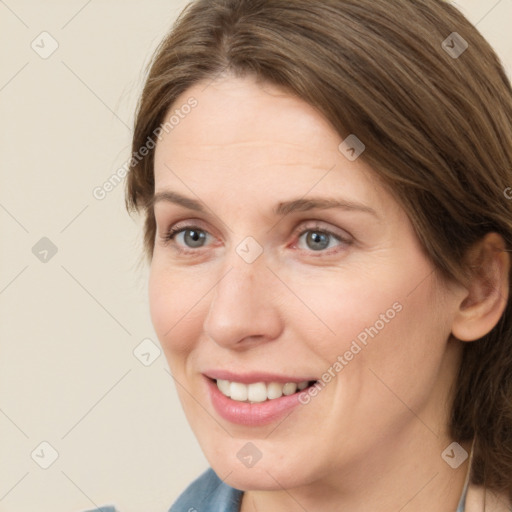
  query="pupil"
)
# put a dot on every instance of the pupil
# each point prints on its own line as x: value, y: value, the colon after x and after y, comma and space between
x: 194, y: 238
x: 318, y: 238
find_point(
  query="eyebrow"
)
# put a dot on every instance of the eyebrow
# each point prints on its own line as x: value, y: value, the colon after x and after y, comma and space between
x: 282, y: 209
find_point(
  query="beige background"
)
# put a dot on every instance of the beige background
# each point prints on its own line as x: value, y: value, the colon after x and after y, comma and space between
x: 69, y: 326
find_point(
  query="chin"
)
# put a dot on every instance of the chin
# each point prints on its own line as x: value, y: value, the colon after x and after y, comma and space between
x: 271, y: 473
x: 259, y: 478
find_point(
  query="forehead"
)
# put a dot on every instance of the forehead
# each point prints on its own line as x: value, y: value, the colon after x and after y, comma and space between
x: 256, y: 137
x: 240, y: 111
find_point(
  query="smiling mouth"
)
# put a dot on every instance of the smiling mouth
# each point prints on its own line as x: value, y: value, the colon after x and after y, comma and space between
x: 259, y: 392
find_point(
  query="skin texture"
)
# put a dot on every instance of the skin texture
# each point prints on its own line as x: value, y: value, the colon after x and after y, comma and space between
x: 372, y: 439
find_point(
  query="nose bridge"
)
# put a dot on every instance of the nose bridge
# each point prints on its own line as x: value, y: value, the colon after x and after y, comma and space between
x: 241, y: 304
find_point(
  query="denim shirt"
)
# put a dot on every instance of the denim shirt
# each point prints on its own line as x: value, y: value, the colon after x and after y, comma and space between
x: 208, y: 493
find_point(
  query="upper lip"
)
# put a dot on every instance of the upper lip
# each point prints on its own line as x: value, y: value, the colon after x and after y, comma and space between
x: 252, y: 377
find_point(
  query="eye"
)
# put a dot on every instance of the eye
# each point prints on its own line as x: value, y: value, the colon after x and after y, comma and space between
x: 313, y: 238
x: 191, y: 237
x: 319, y: 239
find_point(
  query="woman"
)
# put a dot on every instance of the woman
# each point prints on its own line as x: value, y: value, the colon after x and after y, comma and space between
x: 328, y: 230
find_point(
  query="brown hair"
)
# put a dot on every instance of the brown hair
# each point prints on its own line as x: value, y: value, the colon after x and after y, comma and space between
x: 436, y: 125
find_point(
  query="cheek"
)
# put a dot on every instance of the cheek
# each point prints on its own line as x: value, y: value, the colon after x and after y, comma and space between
x: 403, y: 357
x: 159, y: 301
x: 356, y: 306
x: 176, y: 304
x: 390, y: 322
x: 392, y: 345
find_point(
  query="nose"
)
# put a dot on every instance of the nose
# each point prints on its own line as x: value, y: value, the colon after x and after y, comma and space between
x: 244, y: 307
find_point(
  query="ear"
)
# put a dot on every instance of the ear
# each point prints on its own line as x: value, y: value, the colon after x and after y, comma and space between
x: 487, y: 291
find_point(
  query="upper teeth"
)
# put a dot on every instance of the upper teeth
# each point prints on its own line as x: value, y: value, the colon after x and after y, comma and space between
x: 259, y: 391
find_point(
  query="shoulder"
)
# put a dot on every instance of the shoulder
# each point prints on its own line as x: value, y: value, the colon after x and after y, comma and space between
x: 478, y: 498
x: 208, y: 492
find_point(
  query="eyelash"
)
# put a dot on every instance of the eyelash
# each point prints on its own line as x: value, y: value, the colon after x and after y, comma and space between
x: 169, y: 236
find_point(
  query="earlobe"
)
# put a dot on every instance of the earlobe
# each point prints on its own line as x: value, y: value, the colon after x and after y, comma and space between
x: 487, y: 291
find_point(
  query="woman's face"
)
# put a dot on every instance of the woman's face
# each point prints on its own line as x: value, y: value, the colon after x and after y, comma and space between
x: 267, y: 280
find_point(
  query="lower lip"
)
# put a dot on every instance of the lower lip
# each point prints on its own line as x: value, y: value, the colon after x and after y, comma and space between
x: 244, y: 413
